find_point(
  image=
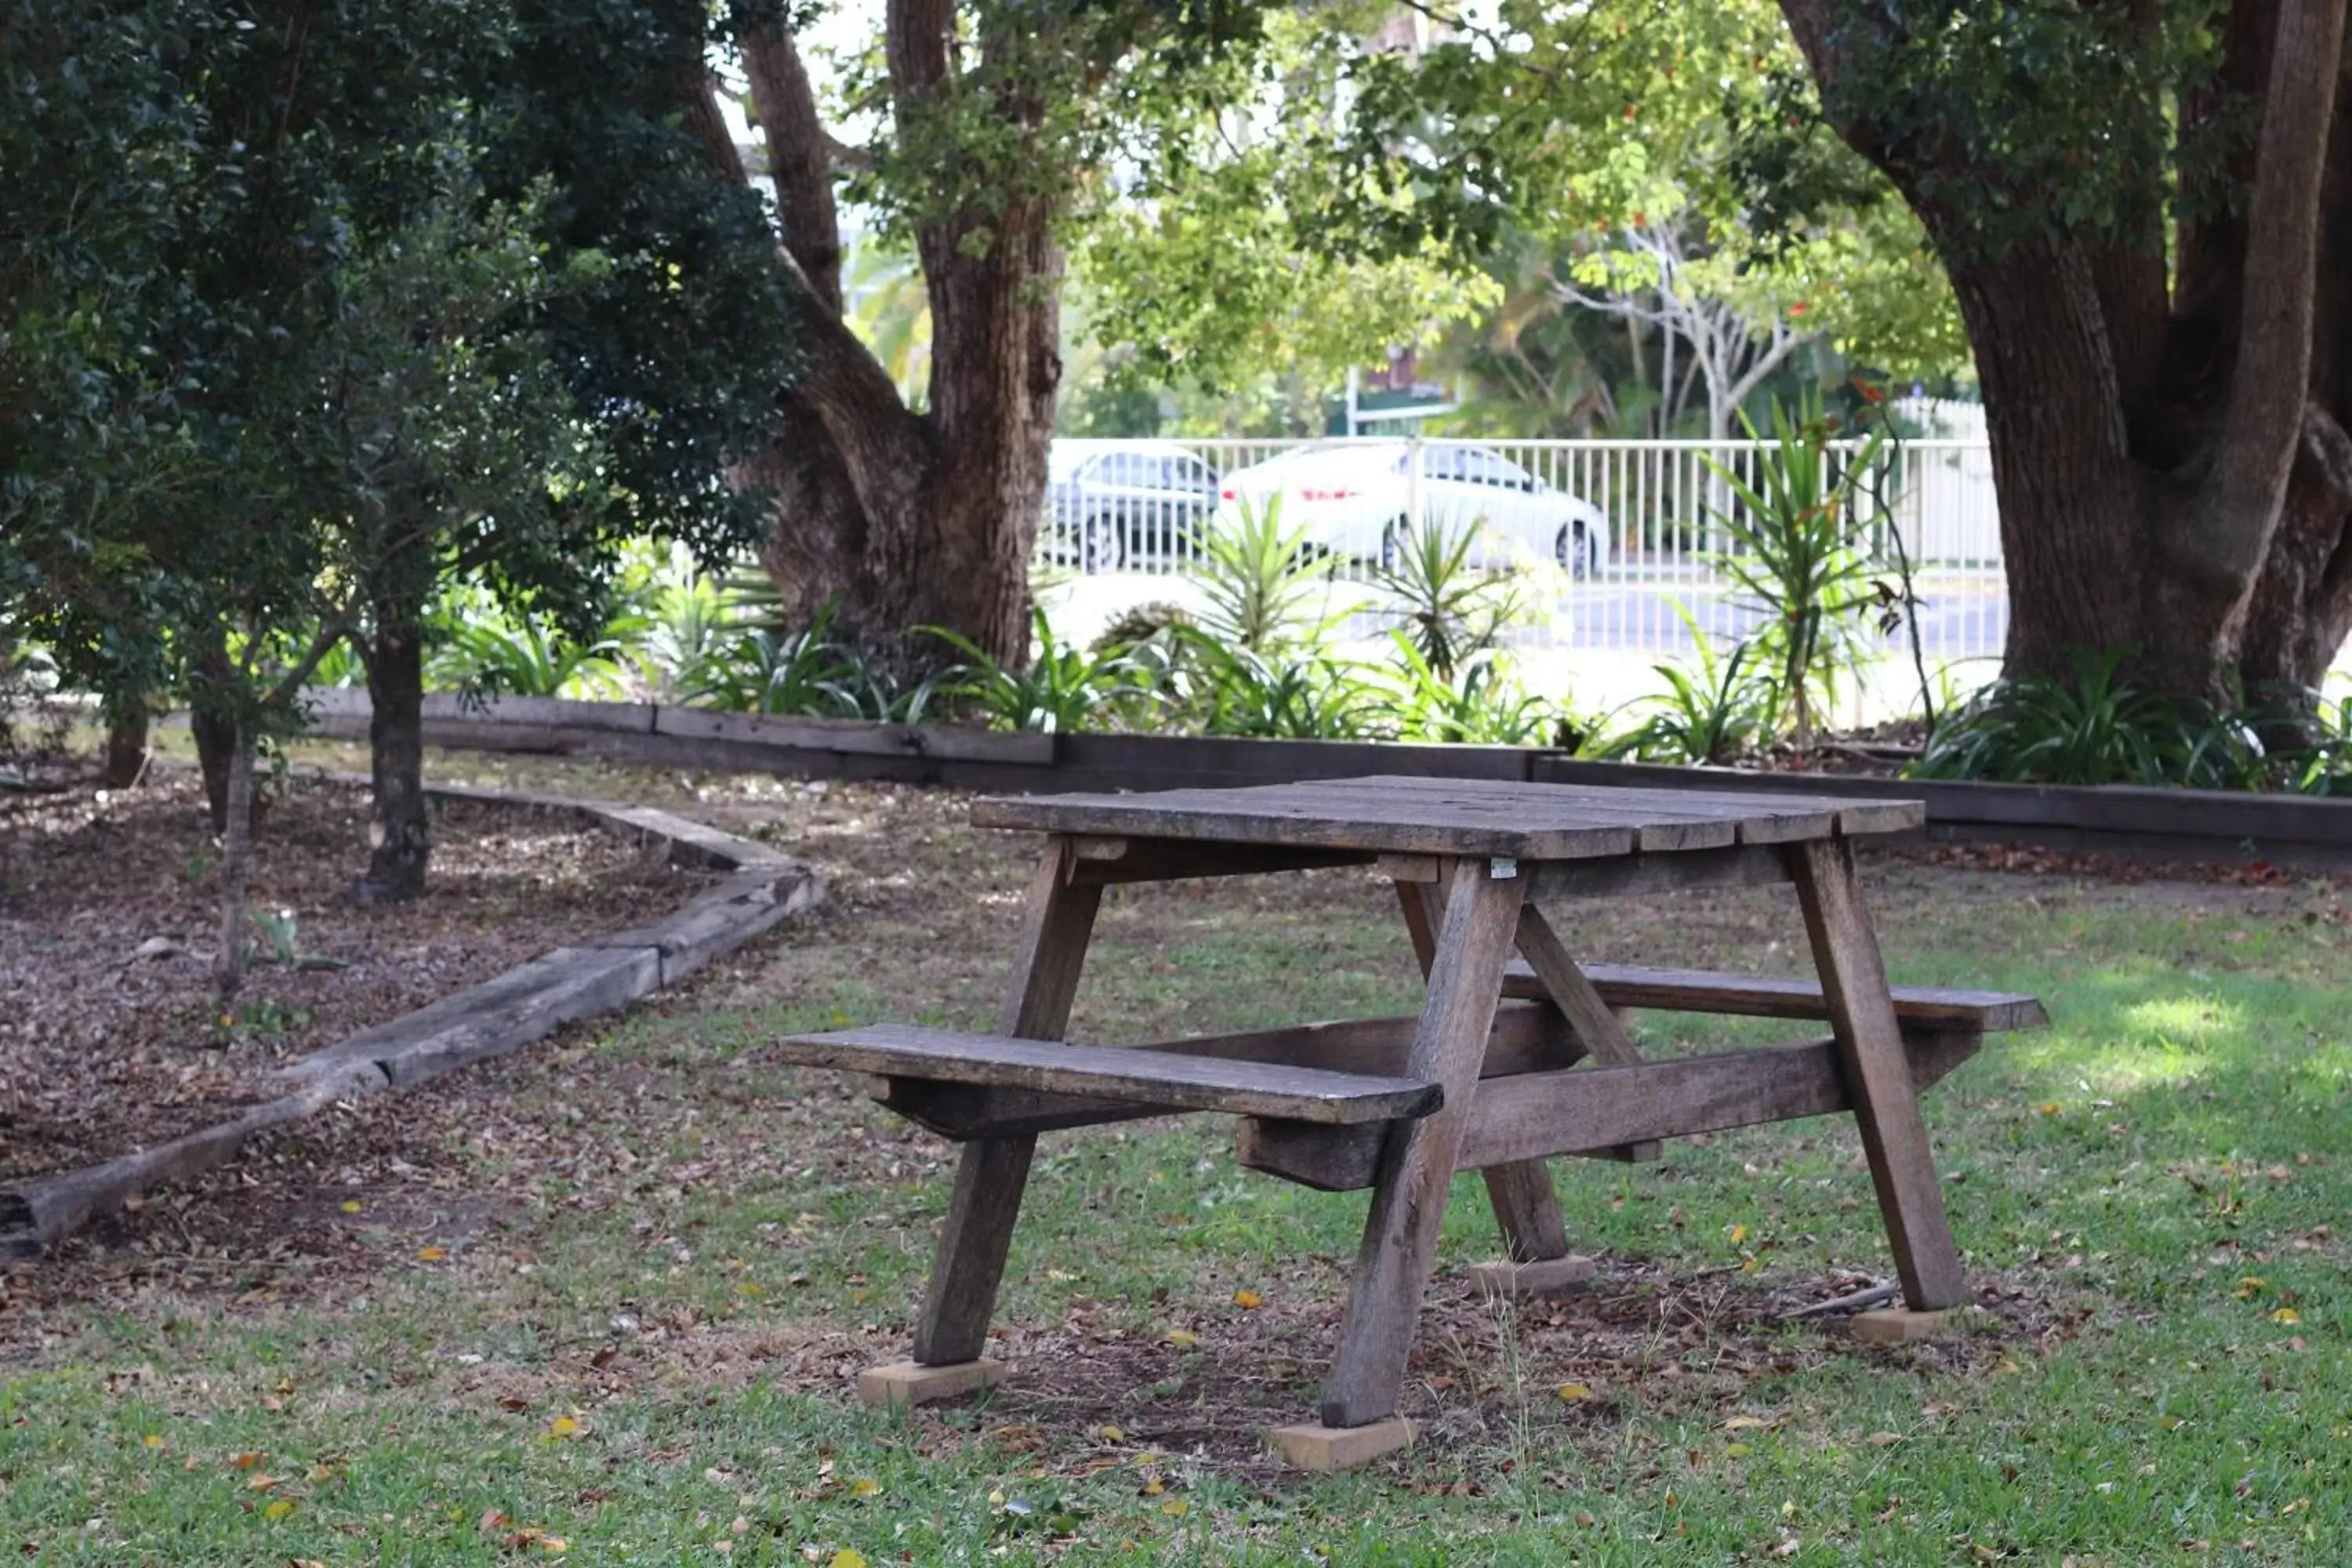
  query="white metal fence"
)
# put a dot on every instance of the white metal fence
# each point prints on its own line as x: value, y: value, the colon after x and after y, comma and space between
x: 1623, y: 540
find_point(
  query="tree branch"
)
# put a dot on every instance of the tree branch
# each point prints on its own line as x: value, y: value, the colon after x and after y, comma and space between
x: 801, y: 158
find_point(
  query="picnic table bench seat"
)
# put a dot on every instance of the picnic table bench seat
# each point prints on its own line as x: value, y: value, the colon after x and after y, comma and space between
x: 1159, y: 1079
x: 1749, y: 996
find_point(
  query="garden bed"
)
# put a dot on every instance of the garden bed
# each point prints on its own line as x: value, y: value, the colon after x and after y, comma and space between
x: 110, y: 1036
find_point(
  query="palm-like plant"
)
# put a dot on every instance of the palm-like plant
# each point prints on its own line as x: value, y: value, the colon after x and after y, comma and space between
x: 1800, y: 560
x: 1267, y: 589
x: 1450, y: 609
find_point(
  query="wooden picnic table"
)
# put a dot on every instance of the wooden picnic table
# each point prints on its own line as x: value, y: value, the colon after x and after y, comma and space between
x: 1479, y: 1079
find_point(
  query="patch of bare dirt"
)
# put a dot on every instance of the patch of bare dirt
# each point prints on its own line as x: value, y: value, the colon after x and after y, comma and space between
x: 110, y: 1034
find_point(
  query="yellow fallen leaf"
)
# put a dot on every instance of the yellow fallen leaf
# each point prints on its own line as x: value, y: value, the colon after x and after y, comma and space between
x: 1182, y: 1338
x: 278, y: 1509
x: 1154, y: 1487
x: 846, y: 1558
x: 1574, y: 1390
x: 1733, y: 1450
x: 1111, y: 1434
x: 864, y: 1486
x: 2286, y: 1315
x: 1738, y: 1233
x: 1174, y: 1507
x: 1248, y: 1300
x: 432, y: 1254
x: 1744, y: 1424
x: 2048, y: 1108
x: 553, y: 1545
x: 563, y: 1426
x: 153, y: 1440
x: 351, y: 1205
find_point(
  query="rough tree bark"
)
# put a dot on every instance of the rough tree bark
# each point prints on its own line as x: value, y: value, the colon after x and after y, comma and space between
x: 237, y: 859
x: 398, y: 831
x: 126, y: 743
x: 904, y: 518
x: 2170, y: 456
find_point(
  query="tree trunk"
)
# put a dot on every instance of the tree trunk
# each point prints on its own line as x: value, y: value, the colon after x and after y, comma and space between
x: 2171, y: 465
x: 216, y: 738
x: 397, y: 828
x: 237, y: 857
x: 126, y: 743
x: 903, y: 519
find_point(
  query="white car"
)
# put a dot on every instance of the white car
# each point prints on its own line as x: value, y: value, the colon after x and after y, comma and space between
x: 1356, y: 498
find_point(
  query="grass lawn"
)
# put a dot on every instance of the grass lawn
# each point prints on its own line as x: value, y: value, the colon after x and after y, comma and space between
x: 603, y: 1302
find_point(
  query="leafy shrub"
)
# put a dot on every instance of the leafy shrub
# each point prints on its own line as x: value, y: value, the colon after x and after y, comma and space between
x: 1281, y: 695
x: 1133, y: 628
x: 1480, y: 702
x: 485, y: 655
x: 1712, y: 714
x: 1063, y: 688
x: 767, y: 669
x: 2091, y: 726
x: 1802, y: 561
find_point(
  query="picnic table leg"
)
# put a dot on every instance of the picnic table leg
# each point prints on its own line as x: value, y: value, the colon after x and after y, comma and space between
x: 1526, y: 1205
x: 991, y: 1173
x: 1400, y: 1246
x: 1877, y: 1075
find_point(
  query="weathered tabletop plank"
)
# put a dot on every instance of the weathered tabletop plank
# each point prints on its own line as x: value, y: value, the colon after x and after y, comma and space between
x: 1152, y: 1078
x: 1390, y: 814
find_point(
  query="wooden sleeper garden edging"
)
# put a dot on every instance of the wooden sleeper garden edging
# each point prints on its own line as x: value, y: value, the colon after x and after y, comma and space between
x: 2226, y: 826
x: 496, y: 1018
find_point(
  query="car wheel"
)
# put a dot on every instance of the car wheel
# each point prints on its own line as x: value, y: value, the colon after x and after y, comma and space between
x: 1102, y: 547
x: 1572, y: 550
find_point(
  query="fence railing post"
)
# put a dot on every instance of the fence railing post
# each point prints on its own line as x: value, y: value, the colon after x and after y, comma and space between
x: 1413, y: 481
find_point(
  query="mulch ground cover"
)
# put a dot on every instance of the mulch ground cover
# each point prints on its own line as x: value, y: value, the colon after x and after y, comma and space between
x: 111, y: 1035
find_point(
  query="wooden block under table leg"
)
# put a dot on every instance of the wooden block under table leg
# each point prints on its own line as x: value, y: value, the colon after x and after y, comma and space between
x: 910, y: 1383
x: 1898, y: 1325
x: 1312, y: 1446
x: 1539, y: 1276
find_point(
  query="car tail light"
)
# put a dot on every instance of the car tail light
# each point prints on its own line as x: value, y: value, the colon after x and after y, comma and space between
x: 1309, y: 492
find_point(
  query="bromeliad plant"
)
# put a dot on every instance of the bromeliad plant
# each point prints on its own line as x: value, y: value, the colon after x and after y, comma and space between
x: 1802, y: 560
